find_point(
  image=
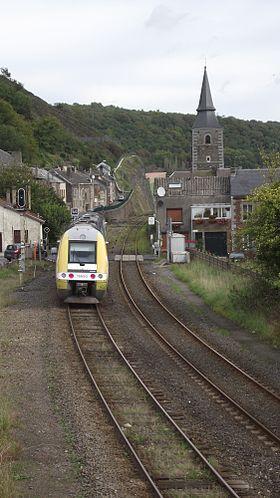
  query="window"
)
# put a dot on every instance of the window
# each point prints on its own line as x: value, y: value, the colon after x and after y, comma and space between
x: 208, y: 159
x: 207, y: 139
x: 246, y: 211
x: 206, y: 212
x: 26, y: 236
x: 176, y: 214
x: 82, y: 252
x: 17, y: 236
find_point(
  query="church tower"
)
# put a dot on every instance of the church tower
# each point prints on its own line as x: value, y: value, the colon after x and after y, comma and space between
x: 207, y: 134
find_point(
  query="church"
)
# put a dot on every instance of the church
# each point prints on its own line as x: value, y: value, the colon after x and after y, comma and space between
x: 198, y: 201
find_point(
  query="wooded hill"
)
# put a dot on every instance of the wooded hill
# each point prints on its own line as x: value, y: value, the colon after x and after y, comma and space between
x: 87, y: 134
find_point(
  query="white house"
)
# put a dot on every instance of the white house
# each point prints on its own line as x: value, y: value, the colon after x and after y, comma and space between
x: 18, y: 226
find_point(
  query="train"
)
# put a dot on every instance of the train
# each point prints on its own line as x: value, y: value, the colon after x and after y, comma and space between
x: 82, y: 268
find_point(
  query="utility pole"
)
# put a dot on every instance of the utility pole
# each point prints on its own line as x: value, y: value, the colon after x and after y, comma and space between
x: 168, y: 241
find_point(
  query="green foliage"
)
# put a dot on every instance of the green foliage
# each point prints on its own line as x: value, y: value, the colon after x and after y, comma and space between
x: 91, y: 133
x: 15, y: 132
x: 53, y: 138
x: 12, y: 91
x: 44, y: 200
x: 51, y: 208
x: 239, y: 298
x: 263, y: 227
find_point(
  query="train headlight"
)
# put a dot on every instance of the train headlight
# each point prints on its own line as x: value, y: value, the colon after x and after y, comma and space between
x: 100, y: 275
x: 63, y: 275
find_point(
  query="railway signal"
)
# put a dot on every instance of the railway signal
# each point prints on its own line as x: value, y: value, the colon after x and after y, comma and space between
x: 21, y: 200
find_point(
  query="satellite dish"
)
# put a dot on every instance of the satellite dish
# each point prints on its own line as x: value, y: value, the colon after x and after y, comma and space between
x: 161, y: 191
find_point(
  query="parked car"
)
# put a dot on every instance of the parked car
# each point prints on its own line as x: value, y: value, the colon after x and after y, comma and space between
x: 12, y: 251
x: 236, y: 256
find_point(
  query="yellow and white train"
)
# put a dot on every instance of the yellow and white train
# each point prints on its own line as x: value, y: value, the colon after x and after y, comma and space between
x: 82, y: 268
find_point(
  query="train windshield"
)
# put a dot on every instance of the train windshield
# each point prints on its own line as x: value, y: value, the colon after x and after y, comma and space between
x: 82, y: 252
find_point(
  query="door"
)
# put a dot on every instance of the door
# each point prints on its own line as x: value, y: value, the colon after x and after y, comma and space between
x: 216, y: 243
x: 1, y: 242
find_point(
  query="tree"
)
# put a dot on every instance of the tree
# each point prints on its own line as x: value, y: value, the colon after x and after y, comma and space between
x: 263, y: 228
x: 44, y: 199
x: 5, y: 72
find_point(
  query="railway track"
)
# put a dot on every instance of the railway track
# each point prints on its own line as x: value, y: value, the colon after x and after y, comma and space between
x: 265, y: 432
x: 105, y: 363
x: 161, y: 482
x: 154, y: 312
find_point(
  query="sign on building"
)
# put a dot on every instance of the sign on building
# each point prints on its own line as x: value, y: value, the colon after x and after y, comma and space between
x: 74, y: 213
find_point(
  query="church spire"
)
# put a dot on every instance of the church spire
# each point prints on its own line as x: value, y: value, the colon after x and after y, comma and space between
x: 205, y: 101
x: 206, y: 117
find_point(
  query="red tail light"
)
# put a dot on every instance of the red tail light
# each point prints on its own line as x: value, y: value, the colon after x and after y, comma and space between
x: 92, y: 275
x: 71, y: 275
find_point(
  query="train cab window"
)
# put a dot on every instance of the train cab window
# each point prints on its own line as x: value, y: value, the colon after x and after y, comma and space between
x: 82, y: 252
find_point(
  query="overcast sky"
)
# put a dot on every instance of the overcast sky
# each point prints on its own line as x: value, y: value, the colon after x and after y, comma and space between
x: 147, y: 54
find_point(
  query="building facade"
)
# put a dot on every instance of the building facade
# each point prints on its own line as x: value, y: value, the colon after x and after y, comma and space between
x: 198, y: 200
x: 18, y: 226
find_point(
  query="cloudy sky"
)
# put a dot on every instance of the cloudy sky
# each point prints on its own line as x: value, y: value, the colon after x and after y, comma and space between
x: 147, y: 54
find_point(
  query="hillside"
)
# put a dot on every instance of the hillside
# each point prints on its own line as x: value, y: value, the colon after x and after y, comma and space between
x: 86, y: 134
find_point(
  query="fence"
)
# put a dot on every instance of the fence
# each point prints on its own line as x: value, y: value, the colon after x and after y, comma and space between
x: 221, y: 263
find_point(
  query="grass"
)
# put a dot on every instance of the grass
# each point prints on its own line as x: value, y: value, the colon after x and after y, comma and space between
x: 143, y: 243
x: 8, y: 450
x: 229, y: 295
x: 9, y: 278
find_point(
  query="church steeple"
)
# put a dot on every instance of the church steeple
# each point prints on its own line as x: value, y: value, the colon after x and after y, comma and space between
x: 205, y: 101
x: 206, y: 117
x: 207, y: 133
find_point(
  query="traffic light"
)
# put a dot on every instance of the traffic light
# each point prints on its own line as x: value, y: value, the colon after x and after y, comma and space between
x: 21, y: 198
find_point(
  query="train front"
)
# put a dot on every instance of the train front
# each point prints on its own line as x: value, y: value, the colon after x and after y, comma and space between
x: 82, y: 265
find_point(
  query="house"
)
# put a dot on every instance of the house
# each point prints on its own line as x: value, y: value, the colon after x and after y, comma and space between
x: 18, y: 226
x: 105, y: 175
x: 79, y: 187
x: 51, y: 179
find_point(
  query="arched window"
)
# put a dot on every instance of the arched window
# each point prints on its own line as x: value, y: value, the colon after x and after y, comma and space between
x: 208, y: 159
x: 208, y: 139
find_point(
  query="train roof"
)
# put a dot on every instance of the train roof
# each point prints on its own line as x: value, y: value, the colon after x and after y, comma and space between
x: 90, y: 218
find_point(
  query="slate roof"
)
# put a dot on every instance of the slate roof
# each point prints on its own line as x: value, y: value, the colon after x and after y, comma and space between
x: 43, y: 174
x: 206, y: 117
x: 73, y: 177
x: 205, y: 101
x: 246, y: 180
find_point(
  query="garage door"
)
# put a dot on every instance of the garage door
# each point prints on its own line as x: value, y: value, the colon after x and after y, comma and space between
x: 216, y: 243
